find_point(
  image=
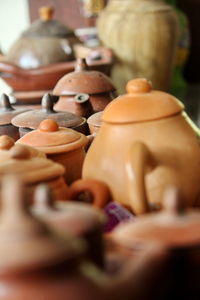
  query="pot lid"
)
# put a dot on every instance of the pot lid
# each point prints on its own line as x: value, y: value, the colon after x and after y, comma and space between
x: 47, y: 27
x: 30, y: 169
x: 53, y: 139
x: 73, y: 217
x: 33, y: 118
x: 7, y: 112
x: 141, y: 104
x: 26, y: 243
x: 175, y: 226
x: 95, y: 119
x: 82, y: 80
x: 6, y: 143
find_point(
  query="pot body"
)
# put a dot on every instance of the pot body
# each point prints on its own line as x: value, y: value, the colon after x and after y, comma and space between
x: 174, y: 159
x: 143, y: 36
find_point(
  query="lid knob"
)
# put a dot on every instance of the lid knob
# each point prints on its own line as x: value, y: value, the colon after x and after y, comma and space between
x: 43, y: 198
x: 6, y: 142
x: 46, y: 13
x: 20, y: 151
x: 5, y: 102
x: 173, y: 202
x: 139, y: 86
x: 47, y: 103
x: 81, y: 65
x: 48, y: 125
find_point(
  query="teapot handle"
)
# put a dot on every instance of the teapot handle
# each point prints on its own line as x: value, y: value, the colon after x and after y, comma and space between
x: 98, y: 190
x: 138, y: 158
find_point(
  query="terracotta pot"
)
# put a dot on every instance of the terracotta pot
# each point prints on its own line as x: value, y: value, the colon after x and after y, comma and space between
x: 97, y: 85
x: 38, y: 264
x: 178, y: 229
x: 7, y: 113
x: 94, y: 122
x: 62, y: 145
x: 156, y: 140
x: 31, y: 120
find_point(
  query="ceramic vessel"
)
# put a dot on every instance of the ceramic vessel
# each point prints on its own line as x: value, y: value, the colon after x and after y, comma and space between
x: 159, y: 146
x: 62, y: 145
x: 94, y: 122
x: 97, y: 85
x: 28, y: 121
x: 178, y: 229
x: 36, y: 263
x: 143, y: 35
x: 7, y: 113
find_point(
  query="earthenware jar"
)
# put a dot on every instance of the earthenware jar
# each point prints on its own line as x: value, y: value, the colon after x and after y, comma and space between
x: 97, y: 85
x: 79, y: 219
x: 46, y: 41
x: 31, y: 120
x: 159, y: 146
x: 33, y: 169
x: 143, y: 35
x: 36, y: 263
x: 177, y: 228
x: 7, y: 113
x: 94, y: 122
x: 62, y: 145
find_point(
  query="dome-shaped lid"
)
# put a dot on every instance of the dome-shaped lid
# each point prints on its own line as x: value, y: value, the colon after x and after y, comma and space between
x: 47, y: 27
x: 6, y: 143
x: 33, y: 118
x: 53, y: 139
x: 30, y: 169
x: 25, y: 243
x: 95, y: 119
x: 72, y: 217
x: 174, y: 226
x: 7, y: 112
x: 141, y: 104
x: 83, y: 81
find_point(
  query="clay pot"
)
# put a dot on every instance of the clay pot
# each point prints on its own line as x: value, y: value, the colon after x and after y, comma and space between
x: 156, y: 140
x: 38, y: 264
x: 46, y: 41
x: 7, y: 113
x: 62, y: 145
x: 94, y: 122
x: 97, y: 85
x: 31, y: 120
x: 79, y: 219
x: 178, y: 229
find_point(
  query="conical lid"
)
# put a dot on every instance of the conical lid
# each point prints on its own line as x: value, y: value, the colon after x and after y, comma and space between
x: 83, y: 81
x: 47, y: 27
x: 25, y: 243
x: 7, y: 112
x: 141, y: 104
x: 30, y: 169
x: 175, y: 226
x: 50, y: 138
x: 33, y: 118
x: 6, y: 143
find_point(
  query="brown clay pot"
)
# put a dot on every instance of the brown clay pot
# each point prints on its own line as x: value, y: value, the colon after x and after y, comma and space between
x: 156, y: 140
x: 62, y: 145
x: 7, y: 113
x: 31, y: 120
x: 97, y: 85
x: 177, y: 228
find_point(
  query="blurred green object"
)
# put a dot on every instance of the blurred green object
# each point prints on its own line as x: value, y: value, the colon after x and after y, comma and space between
x: 179, y: 84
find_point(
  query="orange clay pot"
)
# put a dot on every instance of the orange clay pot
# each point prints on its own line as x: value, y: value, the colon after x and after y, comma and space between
x: 62, y: 145
x: 146, y: 142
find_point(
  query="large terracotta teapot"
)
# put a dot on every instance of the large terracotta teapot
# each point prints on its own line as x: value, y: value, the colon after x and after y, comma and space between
x: 146, y: 142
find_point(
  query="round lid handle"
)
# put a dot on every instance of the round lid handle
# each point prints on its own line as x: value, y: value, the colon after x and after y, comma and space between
x: 173, y: 202
x: 81, y: 65
x: 6, y: 142
x: 139, y: 86
x: 5, y: 103
x: 46, y: 13
x: 20, y: 151
x: 48, y: 125
x: 43, y: 198
x: 47, y: 103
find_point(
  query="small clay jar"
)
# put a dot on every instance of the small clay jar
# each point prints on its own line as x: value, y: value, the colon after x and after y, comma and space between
x: 177, y: 229
x: 62, y: 145
x: 30, y: 120
x: 79, y: 219
x: 33, y: 169
x: 97, y: 85
x: 7, y: 113
x: 94, y: 122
